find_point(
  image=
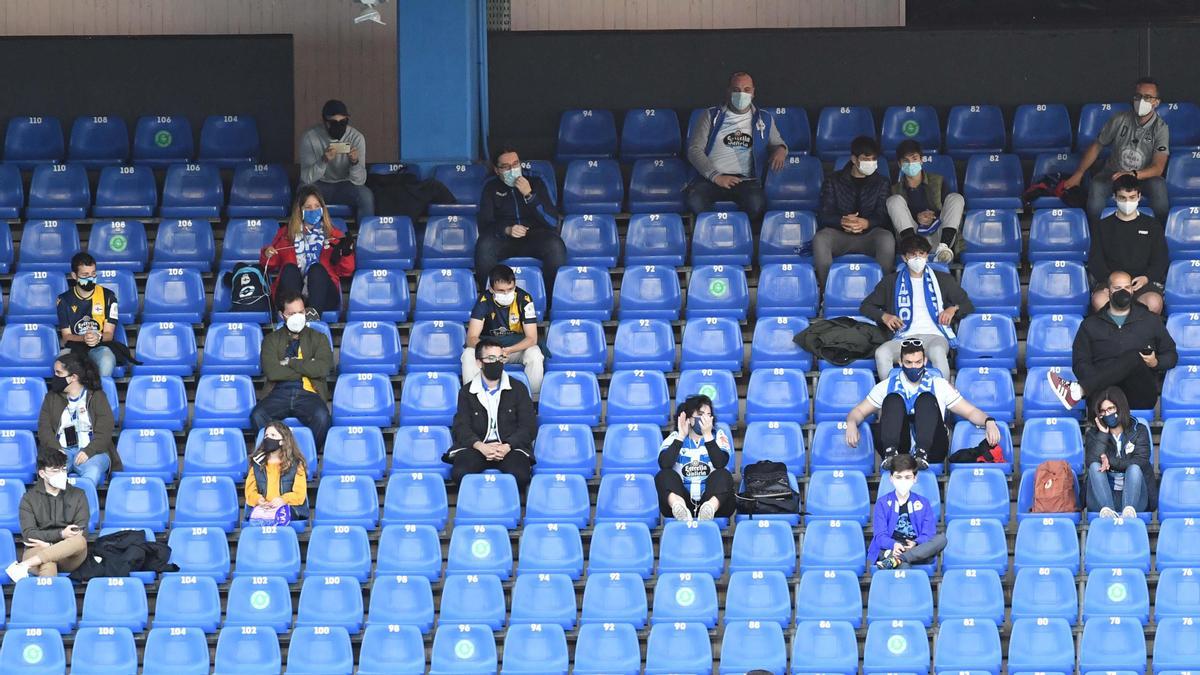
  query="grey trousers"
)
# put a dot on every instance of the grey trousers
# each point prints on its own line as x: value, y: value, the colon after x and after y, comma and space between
x: 937, y: 348
x: 951, y: 216
x: 923, y: 554
x: 830, y: 243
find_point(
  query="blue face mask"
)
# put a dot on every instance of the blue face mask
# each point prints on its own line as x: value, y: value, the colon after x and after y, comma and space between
x: 911, y: 169
x: 313, y: 216
x: 510, y: 176
x: 1111, y: 420
x: 914, y: 374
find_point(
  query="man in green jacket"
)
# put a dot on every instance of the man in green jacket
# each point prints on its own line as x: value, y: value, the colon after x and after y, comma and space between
x: 296, y: 361
x: 54, y: 521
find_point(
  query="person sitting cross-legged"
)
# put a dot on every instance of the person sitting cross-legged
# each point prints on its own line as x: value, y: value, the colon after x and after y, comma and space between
x: 904, y: 523
x: 54, y: 521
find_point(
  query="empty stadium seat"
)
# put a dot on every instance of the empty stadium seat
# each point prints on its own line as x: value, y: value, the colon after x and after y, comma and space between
x: 568, y: 397
x: 449, y: 241
x: 244, y: 240
x: 586, y: 134
x: 685, y: 597
x: 796, y: 186
x: 840, y: 389
x: 179, y: 651
x: 59, y: 191
x: 382, y: 295
x: 551, y: 546
x: 410, y: 549
x: 355, y: 450
x: 650, y: 292
x: 656, y: 186
x: 772, y: 345
x: 891, y: 646
x: 784, y: 235
x: 787, y: 289
x: 119, y: 244
x: 760, y: 545
x: 990, y: 389
x: 347, y: 500
x: 103, y: 650
x: 192, y: 191
x: 1183, y: 232
x: 47, y: 245
x: 678, y: 647
x: 1058, y: 234
x: 174, y: 294
x: 321, y: 650
x: 1183, y: 117
x: 401, y: 600
x: 837, y: 126
x: 974, y: 129
x: 390, y: 649
x: 911, y: 122
x: 582, y: 293
x: 535, y: 648
x: 43, y: 602
x: 1049, y: 340
x: 986, y: 341
x: 261, y: 600
x: 1047, y: 542
x: 488, y: 499
x: 247, y: 649
x: 224, y: 401
x: 370, y: 347
x: 590, y: 240
x: 160, y: 140
x: 447, y: 294
x: 433, y: 346
x: 712, y: 342
x: 847, y: 285
x: 1183, y: 286
x: 720, y: 387
x: 994, y: 288
x: 415, y: 498
x: 427, y: 398
x: 268, y: 551
x: 33, y: 650
x: 630, y: 448
x: 721, y: 238
x: 834, y: 493
x: 1041, y: 644
x: 465, y: 182
x: 968, y: 593
x: 1176, y: 647
x: 420, y: 448
x: 978, y: 493
x: 207, y: 501
x: 645, y: 344
x: 654, y: 239
x: 614, y: 598
x: 1178, y: 592
x: 691, y: 546
x: 187, y: 601
x: 593, y: 186
x: 232, y: 348
x: 607, y: 648
x: 993, y: 181
x: 1117, y: 542
x: 967, y: 645
x: 330, y: 601
x: 576, y: 345
x: 992, y: 234
x: 364, y: 398
x: 31, y: 141
x: 627, y: 498
x: 758, y: 596
x: 385, y: 242
x: 1058, y: 287
x: 775, y: 441
x: 28, y: 349
x: 1117, y: 592
x: 480, y: 549
x: 621, y: 546
x: 200, y: 550
x: 1178, y: 443
x: 900, y: 595
x: 748, y: 645
x: 229, y: 140
x: 337, y: 550
x: 649, y: 133
x: 1112, y: 643
x: 975, y: 543
x: 136, y: 501
x: 22, y: 399
x: 638, y: 396
x: 18, y: 455
x: 98, y: 141
x: 1177, y: 493
x: 833, y: 544
x: 1039, y: 128
x: 824, y: 646
x: 1051, y: 438
x: 829, y: 449
x: 1045, y: 592
x: 260, y: 191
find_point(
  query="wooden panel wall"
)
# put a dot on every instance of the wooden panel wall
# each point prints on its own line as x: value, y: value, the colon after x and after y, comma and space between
x: 702, y: 14
x: 333, y: 57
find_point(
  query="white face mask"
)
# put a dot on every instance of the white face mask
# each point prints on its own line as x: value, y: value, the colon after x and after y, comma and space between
x: 917, y: 264
x: 1144, y: 108
x: 1127, y: 208
x: 903, y: 485
x: 740, y: 100
x: 505, y: 299
x: 296, y: 322
x: 868, y: 166
x: 57, y: 480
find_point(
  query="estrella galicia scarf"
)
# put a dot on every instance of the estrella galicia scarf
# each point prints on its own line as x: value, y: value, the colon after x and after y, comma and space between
x: 933, y: 302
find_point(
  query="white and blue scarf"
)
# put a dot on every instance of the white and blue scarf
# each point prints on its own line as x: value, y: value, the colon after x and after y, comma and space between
x: 924, y: 385
x: 933, y: 302
x: 309, y: 244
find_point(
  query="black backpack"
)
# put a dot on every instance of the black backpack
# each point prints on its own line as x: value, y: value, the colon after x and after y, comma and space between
x: 767, y: 490
x: 249, y: 289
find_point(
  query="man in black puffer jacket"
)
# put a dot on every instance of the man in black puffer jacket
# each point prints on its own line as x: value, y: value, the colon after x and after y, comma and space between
x: 853, y: 215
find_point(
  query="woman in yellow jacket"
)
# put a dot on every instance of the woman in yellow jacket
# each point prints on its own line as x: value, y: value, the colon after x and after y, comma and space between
x: 277, y: 473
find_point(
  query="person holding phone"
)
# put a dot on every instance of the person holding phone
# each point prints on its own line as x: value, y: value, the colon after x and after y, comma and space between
x: 693, y: 480
x: 77, y: 421
x: 333, y: 157
x: 1120, y: 477
x: 309, y: 253
x: 54, y: 521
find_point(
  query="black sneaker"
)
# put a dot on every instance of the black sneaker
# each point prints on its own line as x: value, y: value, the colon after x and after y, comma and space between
x: 888, y: 455
x: 922, y: 458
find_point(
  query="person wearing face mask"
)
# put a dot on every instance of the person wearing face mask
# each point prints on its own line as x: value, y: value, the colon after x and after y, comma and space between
x: 693, y: 480
x: 911, y: 404
x: 919, y: 302
x: 731, y: 146
x: 87, y: 315
x: 1131, y: 241
x: 296, y: 361
x: 333, y: 157
x: 54, y: 521
x: 495, y: 424
x: 904, y: 522
x: 309, y: 255
x: 853, y: 212
x: 77, y: 420
x: 1123, y: 345
x: 922, y: 202
x: 277, y: 475
x: 1140, y: 144
x: 505, y: 313
x: 517, y: 217
x: 1120, y: 477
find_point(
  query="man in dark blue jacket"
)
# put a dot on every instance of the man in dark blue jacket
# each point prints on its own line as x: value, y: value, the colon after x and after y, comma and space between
x: 517, y: 217
x: 853, y: 215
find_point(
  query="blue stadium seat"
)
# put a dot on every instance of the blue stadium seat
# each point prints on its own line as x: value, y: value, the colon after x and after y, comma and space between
x: 260, y: 191
x: 1051, y: 438
x: 200, y: 550
x: 535, y: 648
x: 591, y: 240
x: 427, y: 398
x: 415, y: 498
x: 992, y: 234
x: 1177, y: 443
x: 59, y: 191
x: 174, y: 294
x: 1176, y: 647
x: 268, y: 551
x: 229, y: 140
x: 207, y: 501
x: 179, y: 651
x: 155, y: 402
x: 119, y: 244
x: 148, y: 452
x: 1047, y: 163
x: 29, y: 349
x: 650, y: 292
x: 692, y: 546
x: 840, y: 389
x: 630, y: 448
x: 1178, y: 592
x: 1041, y: 644
x: 1058, y: 287
x: 968, y: 593
x: 794, y: 128
x: 420, y: 448
x: 1117, y: 592
x: 993, y: 287
x: 986, y: 341
x: 12, y: 194
x: 1039, y: 128
x: 432, y: 346
x: 465, y: 648
x: 354, y: 450
x: 449, y: 241
x: 678, y: 648
x: 772, y: 345
x: 161, y: 140
x: 775, y: 441
x: 1058, y: 234
x: 33, y: 650
x: 649, y: 133
x: 978, y: 493
x: 576, y: 345
x: 126, y: 192
x: 893, y: 646
x: 1045, y: 592
x: 98, y: 141
x: 838, y: 494
x: 718, y: 290
x: 654, y: 239
x: 447, y: 294
x: 900, y: 595
x: 593, y: 186
x: 43, y: 602
x: 621, y: 546
x: 657, y: 186
x: 125, y: 286
x: 103, y: 650
x: 187, y: 601
x: 224, y: 401
x: 719, y: 386
x: 22, y: 399
x: 990, y: 389
x: 391, y: 649
x: 974, y: 129
x: 797, y: 186
x: 1176, y: 493
x: 1025, y: 492
x: 757, y: 595
x: 136, y: 501
x: 247, y: 649
x: 1184, y: 328
x: 1049, y: 340
x: 370, y: 347
x: 1117, y: 542
x: 244, y: 240
x: 33, y: 296
x: 1092, y: 117
x: 330, y: 601
x: 465, y: 182
x: 557, y: 497
x: 47, y: 245
x: 1047, y: 542
x: 918, y: 123
x: 401, y: 600
x: 833, y: 544
x: 551, y: 546
x: 829, y: 449
x: 993, y: 181
x: 18, y: 455
x: 721, y: 238
x: 410, y: 549
x: 712, y: 342
x: 232, y: 348
x: 480, y: 549
x: 975, y: 543
x: 778, y: 395
x: 1112, y: 643
x: 321, y: 650
x: 788, y: 289
x: 847, y: 285
x: 582, y: 293
x: 32, y: 141
x: 784, y: 235
x: 748, y: 645
x: 627, y: 498
x: 1183, y: 286
x: 381, y: 295
x: 614, y: 598
x: 568, y: 397
x: 638, y: 396
x: 1183, y: 117
x: 685, y: 597
x: 385, y: 242
x: 966, y: 646
x: 825, y: 647
x: 347, y: 500
x: 1183, y: 232
x: 646, y: 344
x: 192, y: 191
x: 837, y: 126
x: 364, y: 398
x: 586, y: 134
x: 341, y: 550
x: 763, y: 544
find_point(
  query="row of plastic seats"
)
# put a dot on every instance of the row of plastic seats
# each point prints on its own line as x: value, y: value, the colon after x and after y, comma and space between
x: 103, y: 140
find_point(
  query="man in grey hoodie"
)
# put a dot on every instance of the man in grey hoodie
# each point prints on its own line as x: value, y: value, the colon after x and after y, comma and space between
x: 333, y: 157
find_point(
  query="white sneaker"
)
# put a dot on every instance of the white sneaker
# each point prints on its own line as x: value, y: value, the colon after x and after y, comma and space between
x: 1129, y: 512
x: 943, y: 254
x: 681, y: 512
x: 16, y: 571
x: 707, y: 511
x: 1107, y: 513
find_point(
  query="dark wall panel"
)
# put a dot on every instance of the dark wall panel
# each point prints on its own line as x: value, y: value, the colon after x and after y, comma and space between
x: 133, y: 76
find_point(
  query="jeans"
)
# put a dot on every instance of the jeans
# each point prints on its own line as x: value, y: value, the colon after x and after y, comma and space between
x: 305, y: 406
x: 951, y: 217
x: 104, y: 359
x: 897, y: 428
x: 345, y: 192
x: 702, y: 194
x: 1154, y: 190
x: 831, y: 242
x: 936, y: 347
x: 94, y: 469
x: 532, y: 359
x: 323, y: 295
x: 1101, y: 494
x: 539, y: 242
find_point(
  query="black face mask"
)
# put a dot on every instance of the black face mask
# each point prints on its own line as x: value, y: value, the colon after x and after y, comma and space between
x: 493, y: 371
x: 336, y: 128
x: 1121, y: 299
x: 57, y: 384
x: 271, y: 444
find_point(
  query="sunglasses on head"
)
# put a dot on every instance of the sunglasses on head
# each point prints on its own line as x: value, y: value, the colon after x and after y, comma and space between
x: 912, y: 342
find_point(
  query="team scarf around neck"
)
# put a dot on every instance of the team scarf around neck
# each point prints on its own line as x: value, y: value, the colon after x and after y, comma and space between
x: 933, y: 302
x: 896, y: 386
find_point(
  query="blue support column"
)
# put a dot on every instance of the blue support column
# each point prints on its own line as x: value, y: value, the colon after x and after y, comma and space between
x: 440, y: 53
